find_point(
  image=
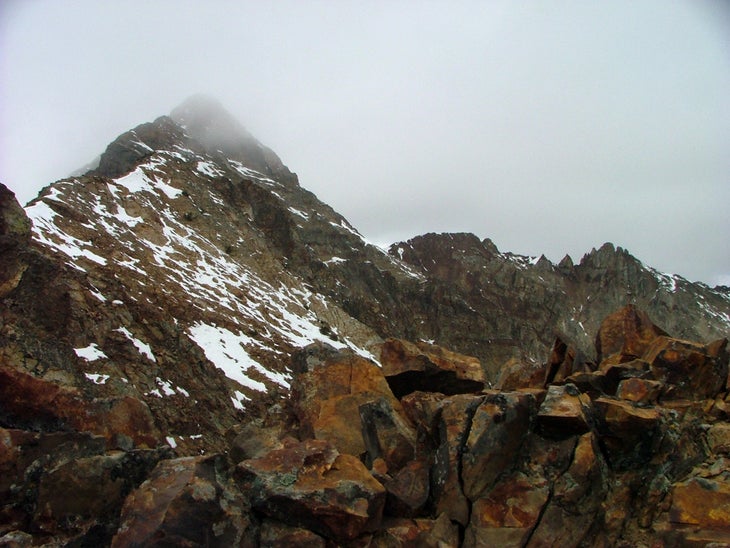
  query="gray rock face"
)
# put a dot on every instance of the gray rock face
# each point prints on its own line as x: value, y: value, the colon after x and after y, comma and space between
x: 502, y: 306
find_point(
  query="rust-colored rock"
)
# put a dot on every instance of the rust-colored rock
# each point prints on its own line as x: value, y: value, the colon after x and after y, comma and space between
x: 560, y: 362
x: 593, y: 383
x: 311, y: 485
x: 614, y: 373
x: 720, y: 409
x: 576, y: 504
x: 24, y: 459
x: 701, y: 502
x: 717, y: 349
x: 41, y: 404
x: 155, y: 291
x: 517, y: 373
x: 508, y: 514
x: 408, y: 490
x: 564, y: 412
x: 454, y: 423
x: 617, y: 509
x: 124, y: 416
x: 498, y: 428
x: 83, y: 492
x: 547, y: 457
x: 183, y: 503
x: 624, y: 417
x: 694, y: 537
x: 718, y: 438
x: 421, y: 533
x: 627, y: 332
x: 639, y: 390
x: 693, y: 370
x: 387, y: 434
x: 275, y: 533
x: 327, y: 399
x: 627, y: 431
x: 581, y: 487
x: 253, y: 441
x: 19, y: 449
x: 422, y: 408
x: 409, y: 367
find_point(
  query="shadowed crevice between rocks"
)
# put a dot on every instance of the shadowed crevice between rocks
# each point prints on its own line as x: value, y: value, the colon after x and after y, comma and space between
x: 445, y: 382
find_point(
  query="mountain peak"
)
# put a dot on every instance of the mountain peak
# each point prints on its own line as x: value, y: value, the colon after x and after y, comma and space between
x: 201, y: 103
x: 206, y: 120
x: 608, y: 256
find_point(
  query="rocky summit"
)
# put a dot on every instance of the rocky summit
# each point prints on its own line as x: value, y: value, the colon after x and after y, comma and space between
x: 197, y: 351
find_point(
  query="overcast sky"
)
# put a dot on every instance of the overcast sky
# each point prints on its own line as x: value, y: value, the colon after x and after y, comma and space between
x: 549, y: 127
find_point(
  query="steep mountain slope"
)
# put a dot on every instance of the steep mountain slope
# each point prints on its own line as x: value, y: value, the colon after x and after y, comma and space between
x: 177, y: 255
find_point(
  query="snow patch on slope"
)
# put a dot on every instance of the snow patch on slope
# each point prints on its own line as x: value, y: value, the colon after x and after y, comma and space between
x: 227, y: 351
x: 47, y: 232
x: 142, y: 348
x: 97, y: 378
x: 90, y: 353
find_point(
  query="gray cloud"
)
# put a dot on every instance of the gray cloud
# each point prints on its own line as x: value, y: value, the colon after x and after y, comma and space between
x: 549, y: 130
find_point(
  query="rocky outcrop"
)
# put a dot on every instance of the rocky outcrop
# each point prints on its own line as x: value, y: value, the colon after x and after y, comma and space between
x: 331, y: 397
x: 14, y: 238
x: 130, y: 149
x: 498, y: 428
x: 430, y: 368
x: 508, y: 514
x: 535, y: 466
x: 183, y: 208
x: 184, y: 502
x: 689, y: 370
x: 625, y: 335
x: 67, y: 485
x: 564, y: 412
x: 311, y: 485
x: 36, y: 404
x: 702, y: 503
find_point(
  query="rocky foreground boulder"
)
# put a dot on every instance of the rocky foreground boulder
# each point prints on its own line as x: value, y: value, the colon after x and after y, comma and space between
x: 633, y: 452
